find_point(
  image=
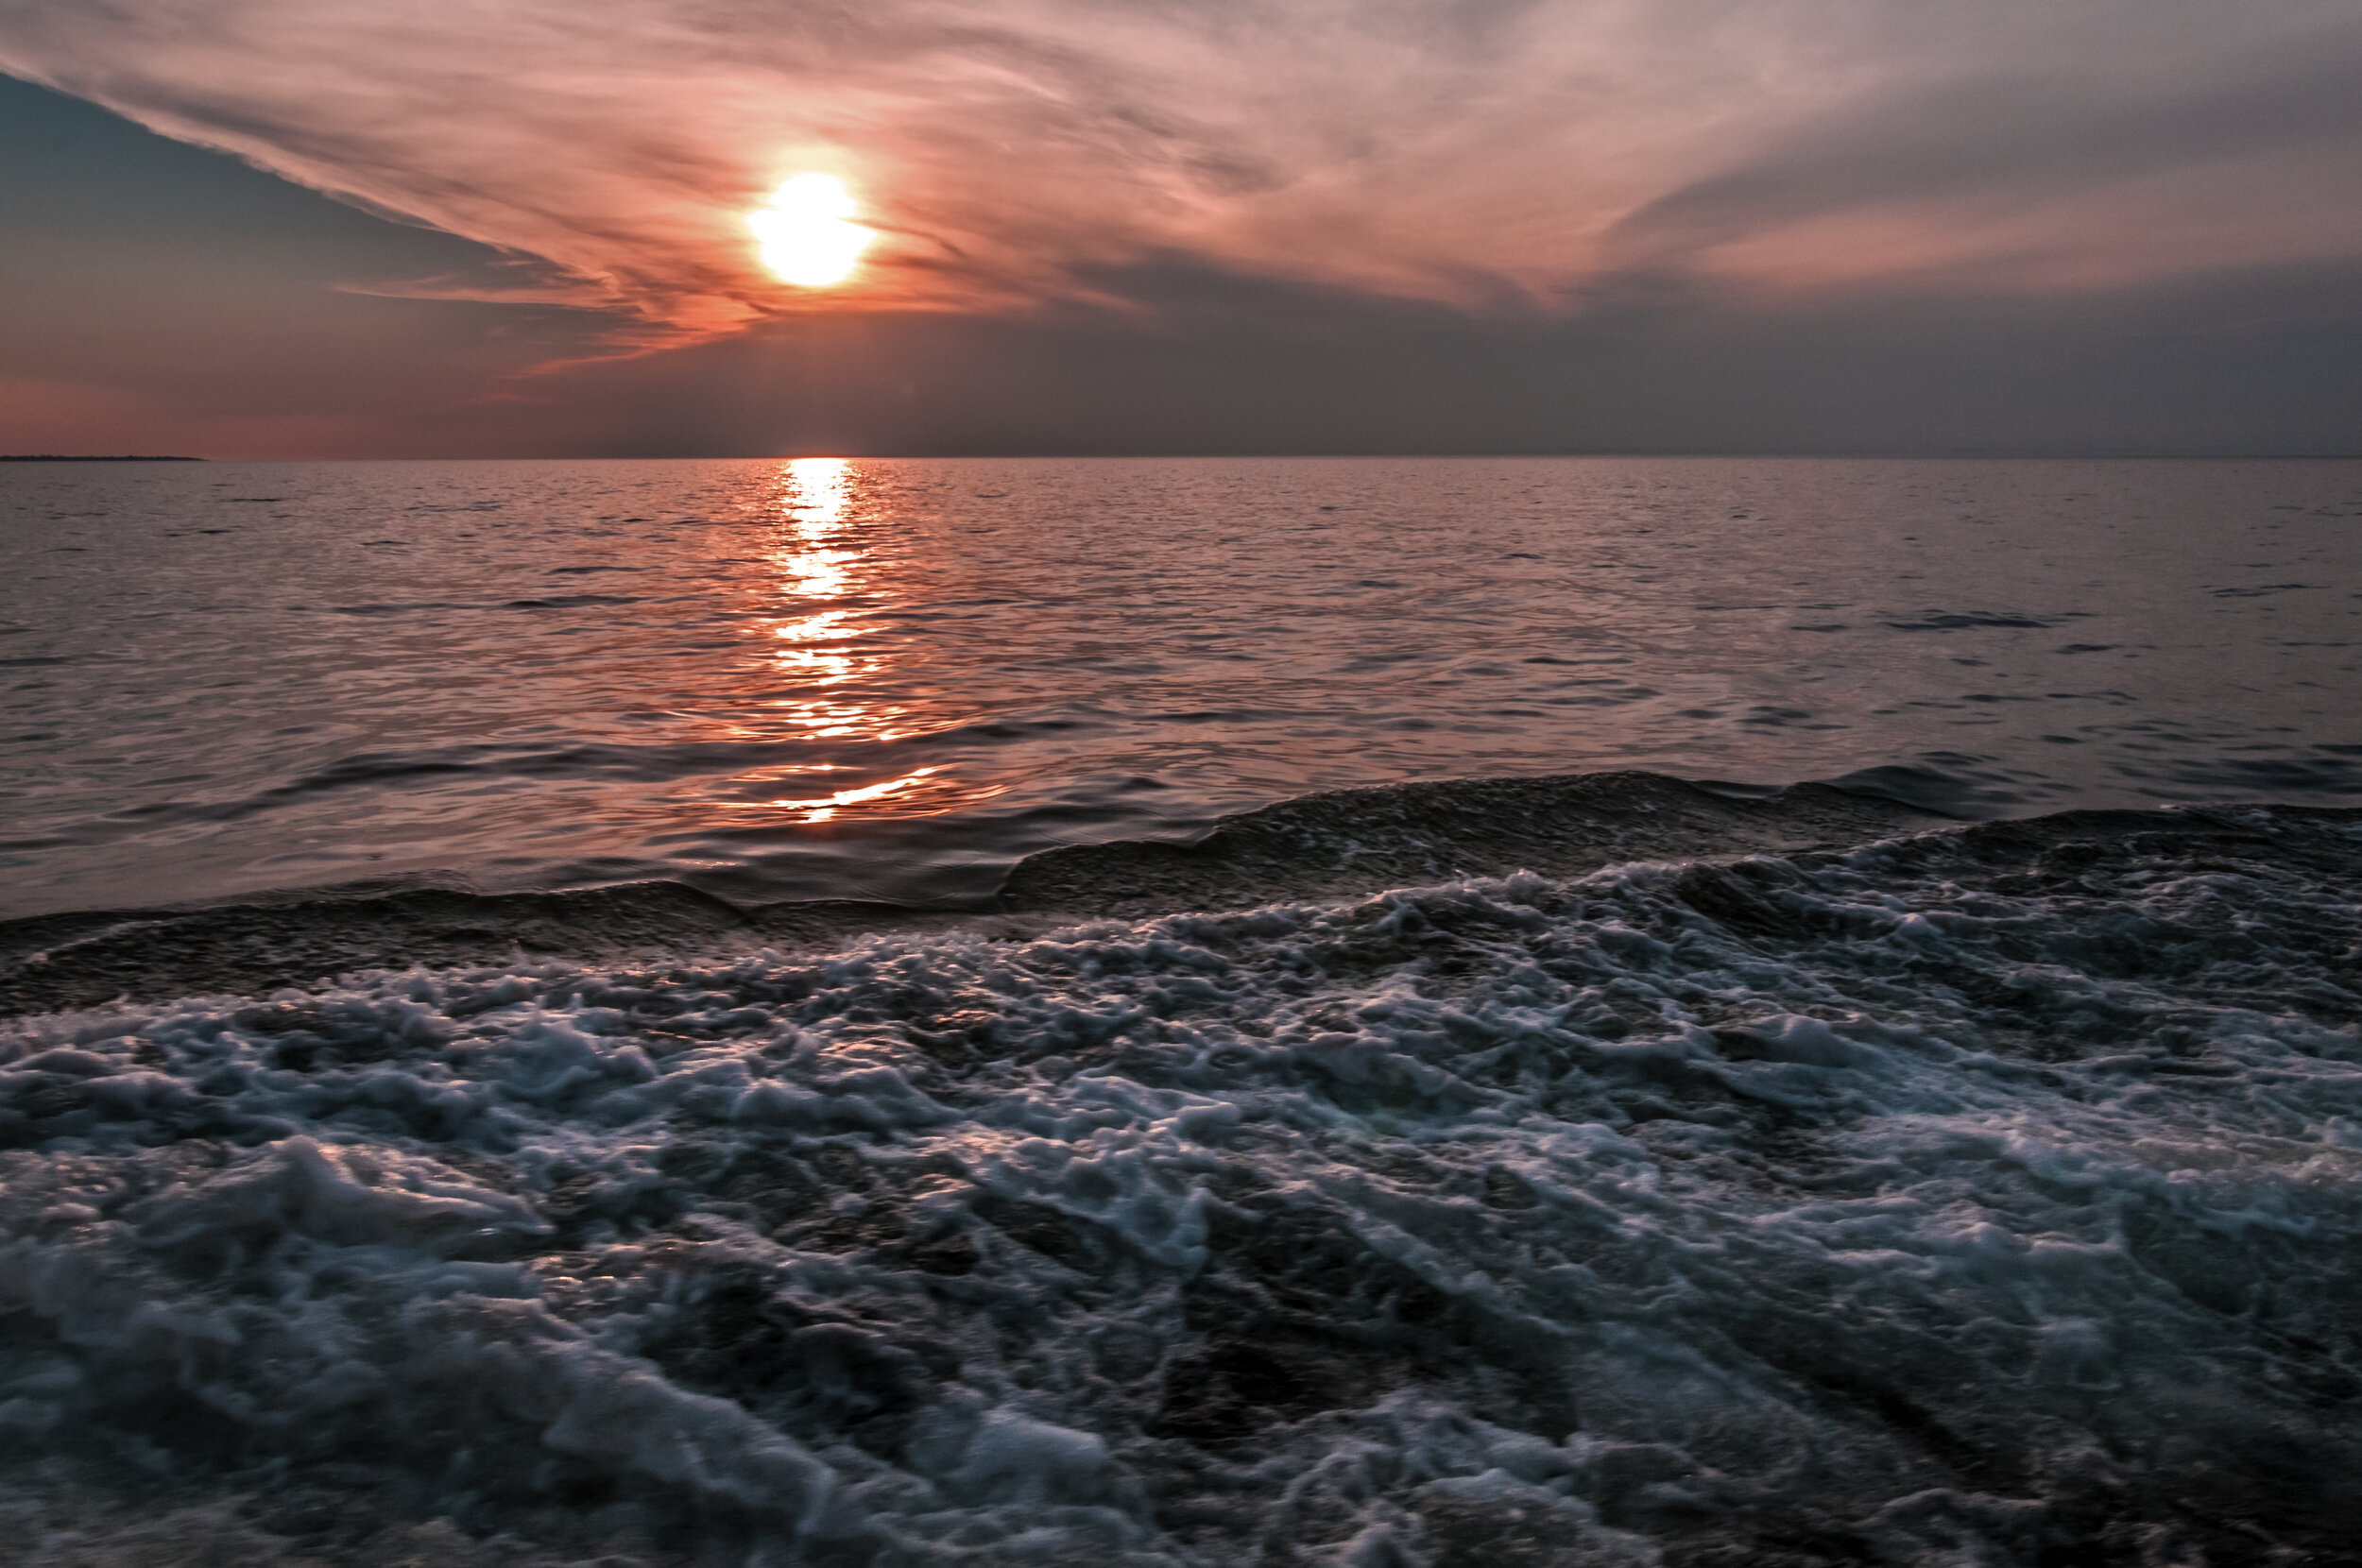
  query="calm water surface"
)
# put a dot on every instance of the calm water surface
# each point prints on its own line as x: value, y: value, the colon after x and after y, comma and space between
x: 890, y: 678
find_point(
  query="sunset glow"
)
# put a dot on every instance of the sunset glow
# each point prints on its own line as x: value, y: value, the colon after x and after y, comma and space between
x: 1292, y: 782
x: 805, y: 233
x: 994, y: 227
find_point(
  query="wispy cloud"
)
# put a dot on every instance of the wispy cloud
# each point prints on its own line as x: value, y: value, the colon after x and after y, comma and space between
x: 1502, y: 155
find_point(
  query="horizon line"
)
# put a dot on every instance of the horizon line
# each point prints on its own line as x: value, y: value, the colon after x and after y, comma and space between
x: 1808, y: 455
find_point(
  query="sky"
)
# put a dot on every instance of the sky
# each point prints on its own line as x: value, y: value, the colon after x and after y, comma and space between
x: 489, y: 227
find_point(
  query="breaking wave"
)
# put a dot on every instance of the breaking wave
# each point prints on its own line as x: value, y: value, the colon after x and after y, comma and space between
x: 1990, y: 1195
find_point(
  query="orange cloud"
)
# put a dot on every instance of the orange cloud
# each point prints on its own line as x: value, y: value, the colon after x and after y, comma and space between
x: 1496, y: 153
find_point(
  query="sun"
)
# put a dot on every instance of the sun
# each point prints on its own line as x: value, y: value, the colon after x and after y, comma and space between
x: 804, y: 231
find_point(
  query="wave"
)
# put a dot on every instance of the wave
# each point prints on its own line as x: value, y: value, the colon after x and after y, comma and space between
x: 1330, y: 844
x: 1769, y: 1176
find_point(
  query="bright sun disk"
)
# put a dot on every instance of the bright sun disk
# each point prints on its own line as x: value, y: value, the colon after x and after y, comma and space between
x: 804, y: 231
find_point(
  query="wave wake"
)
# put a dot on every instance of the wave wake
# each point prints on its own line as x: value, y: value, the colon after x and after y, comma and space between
x: 1332, y: 844
x: 1987, y: 1194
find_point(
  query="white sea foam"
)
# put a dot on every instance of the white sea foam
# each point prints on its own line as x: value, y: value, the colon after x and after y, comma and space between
x: 1902, y: 1205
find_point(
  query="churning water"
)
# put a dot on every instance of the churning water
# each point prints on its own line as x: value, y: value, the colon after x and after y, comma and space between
x: 1589, y: 1170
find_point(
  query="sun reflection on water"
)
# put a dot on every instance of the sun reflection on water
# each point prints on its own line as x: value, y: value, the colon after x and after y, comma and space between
x: 822, y: 486
x: 827, y: 637
x: 825, y: 808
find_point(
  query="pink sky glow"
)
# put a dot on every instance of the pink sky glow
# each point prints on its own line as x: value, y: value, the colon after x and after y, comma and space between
x: 1497, y: 155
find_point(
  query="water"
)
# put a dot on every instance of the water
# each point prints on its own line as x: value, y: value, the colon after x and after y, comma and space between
x: 1983, y: 1198
x: 893, y: 678
x: 1560, y: 1172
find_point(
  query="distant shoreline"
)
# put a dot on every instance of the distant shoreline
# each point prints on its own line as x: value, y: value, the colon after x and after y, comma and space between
x: 74, y: 457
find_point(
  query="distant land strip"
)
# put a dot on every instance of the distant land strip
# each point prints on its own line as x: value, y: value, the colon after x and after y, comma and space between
x: 77, y: 457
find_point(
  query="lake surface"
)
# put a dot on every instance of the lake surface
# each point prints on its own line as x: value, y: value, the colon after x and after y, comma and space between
x: 890, y: 678
x: 1581, y: 1172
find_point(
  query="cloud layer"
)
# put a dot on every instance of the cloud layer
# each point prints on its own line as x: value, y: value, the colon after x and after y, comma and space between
x: 1512, y: 157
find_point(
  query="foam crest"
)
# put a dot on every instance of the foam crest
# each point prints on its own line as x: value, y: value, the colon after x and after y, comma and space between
x: 1963, y: 1196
